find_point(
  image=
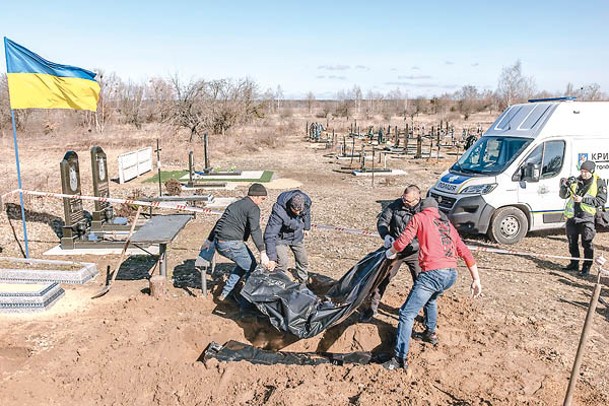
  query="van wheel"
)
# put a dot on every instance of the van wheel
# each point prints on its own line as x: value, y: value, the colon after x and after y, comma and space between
x: 509, y: 225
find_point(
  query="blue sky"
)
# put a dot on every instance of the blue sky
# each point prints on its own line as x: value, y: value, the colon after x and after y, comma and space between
x: 423, y: 48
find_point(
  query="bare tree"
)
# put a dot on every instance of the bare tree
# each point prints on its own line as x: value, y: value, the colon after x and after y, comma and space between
x: 310, y: 101
x: 214, y: 106
x: 417, y: 106
x: 513, y: 86
x: 130, y: 97
x: 160, y: 97
x: 591, y: 92
x: 468, y: 101
x: 5, y: 113
x: 188, y: 112
x: 278, y: 95
x: 356, y: 95
x: 108, y: 98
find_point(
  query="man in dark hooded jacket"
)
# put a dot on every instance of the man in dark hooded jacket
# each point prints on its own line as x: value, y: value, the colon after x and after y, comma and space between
x: 290, y: 219
x: 390, y: 224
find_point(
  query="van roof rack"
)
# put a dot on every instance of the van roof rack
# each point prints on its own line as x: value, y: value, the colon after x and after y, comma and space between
x: 563, y: 98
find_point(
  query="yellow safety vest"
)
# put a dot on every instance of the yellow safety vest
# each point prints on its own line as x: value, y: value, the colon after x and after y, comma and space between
x: 592, y: 191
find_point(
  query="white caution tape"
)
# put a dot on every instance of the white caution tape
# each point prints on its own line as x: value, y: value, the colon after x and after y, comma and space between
x: 519, y: 253
x: 156, y: 205
x: 345, y: 230
x: 471, y: 247
x: 323, y: 227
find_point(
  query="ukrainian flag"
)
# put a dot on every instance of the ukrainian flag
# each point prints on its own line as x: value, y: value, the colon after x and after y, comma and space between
x: 34, y: 82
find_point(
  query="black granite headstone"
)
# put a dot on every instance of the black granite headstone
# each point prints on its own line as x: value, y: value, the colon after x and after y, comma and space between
x: 75, y: 222
x: 101, y: 186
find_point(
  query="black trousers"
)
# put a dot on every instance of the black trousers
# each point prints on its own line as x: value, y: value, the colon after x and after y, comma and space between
x: 412, y: 261
x: 586, y: 230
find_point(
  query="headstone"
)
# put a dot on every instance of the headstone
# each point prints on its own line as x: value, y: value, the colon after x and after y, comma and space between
x: 75, y: 222
x: 101, y: 187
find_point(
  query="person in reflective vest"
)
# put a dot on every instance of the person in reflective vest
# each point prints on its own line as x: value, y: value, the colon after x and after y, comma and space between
x: 584, y: 194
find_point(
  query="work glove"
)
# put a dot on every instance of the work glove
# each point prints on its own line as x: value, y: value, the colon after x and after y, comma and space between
x: 391, y: 253
x: 271, y: 265
x: 476, y: 288
x: 388, y: 241
x: 264, y: 259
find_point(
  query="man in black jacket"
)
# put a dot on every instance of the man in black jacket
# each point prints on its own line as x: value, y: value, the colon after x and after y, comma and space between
x: 585, y: 194
x: 391, y: 223
x: 289, y: 221
x: 240, y: 220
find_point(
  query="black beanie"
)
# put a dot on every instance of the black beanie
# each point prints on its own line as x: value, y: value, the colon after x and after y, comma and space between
x: 429, y: 202
x: 257, y: 190
x: 590, y: 166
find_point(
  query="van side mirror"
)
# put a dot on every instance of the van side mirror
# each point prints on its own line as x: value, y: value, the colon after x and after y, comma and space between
x: 531, y: 172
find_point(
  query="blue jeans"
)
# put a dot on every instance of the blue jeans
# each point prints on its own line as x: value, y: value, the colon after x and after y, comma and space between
x: 426, y: 290
x: 243, y: 258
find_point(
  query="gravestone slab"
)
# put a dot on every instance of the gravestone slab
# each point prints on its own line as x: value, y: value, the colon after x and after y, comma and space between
x: 36, y: 270
x: 27, y: 297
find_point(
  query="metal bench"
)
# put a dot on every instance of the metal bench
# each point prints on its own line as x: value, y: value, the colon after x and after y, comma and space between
x: 160, y: 230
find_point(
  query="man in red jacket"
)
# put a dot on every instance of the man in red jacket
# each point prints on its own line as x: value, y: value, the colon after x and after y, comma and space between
x: 439, y: 247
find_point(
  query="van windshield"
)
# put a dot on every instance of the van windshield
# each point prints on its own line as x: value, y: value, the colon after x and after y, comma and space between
x: 490, y: 155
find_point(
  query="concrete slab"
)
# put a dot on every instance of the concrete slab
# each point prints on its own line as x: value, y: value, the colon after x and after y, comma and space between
x: 394, y: 172
x: 25, y: 298
x: 58, y: 251
x: 212, y: 177
x: 16, y: 270
x: 225, y: 186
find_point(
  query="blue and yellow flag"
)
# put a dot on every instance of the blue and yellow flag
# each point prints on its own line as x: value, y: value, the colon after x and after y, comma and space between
x: 34, y: 82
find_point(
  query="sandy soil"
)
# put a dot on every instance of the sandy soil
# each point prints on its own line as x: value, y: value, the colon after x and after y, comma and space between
x: 513, y: 346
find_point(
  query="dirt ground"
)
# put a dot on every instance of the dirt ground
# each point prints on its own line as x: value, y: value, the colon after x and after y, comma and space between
x: 513, y: 346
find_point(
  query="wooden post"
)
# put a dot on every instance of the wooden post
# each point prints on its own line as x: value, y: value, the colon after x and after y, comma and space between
x: 158, y: 166
x: 373, y: 166
x: 206, y: 152
x: 191, y: 168
x: 583, y: 339
x: 363, y: 158
x: 438, y: 144
x: 158, y: 286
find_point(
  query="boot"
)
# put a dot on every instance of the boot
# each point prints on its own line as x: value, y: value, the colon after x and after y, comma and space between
x: 585, y: 269
x: 395, y: 364
x: 573, y: 266
x: 367, y: 315
x: 426, y: 336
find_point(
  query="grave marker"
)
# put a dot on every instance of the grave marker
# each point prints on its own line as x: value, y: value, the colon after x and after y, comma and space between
x: 75, y: 222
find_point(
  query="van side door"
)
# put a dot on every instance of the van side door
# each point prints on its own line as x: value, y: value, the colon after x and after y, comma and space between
x: 539, y: 183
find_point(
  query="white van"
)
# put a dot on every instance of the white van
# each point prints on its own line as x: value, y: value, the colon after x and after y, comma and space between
x: 507, y: 183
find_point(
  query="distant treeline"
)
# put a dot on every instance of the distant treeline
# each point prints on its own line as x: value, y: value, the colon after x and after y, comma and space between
x: 215, y: 106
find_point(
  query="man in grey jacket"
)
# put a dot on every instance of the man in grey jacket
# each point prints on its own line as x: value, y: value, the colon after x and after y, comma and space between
x: 391, y: 223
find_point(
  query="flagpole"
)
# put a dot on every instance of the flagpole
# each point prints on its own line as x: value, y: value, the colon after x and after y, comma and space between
x: 27, y: 250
